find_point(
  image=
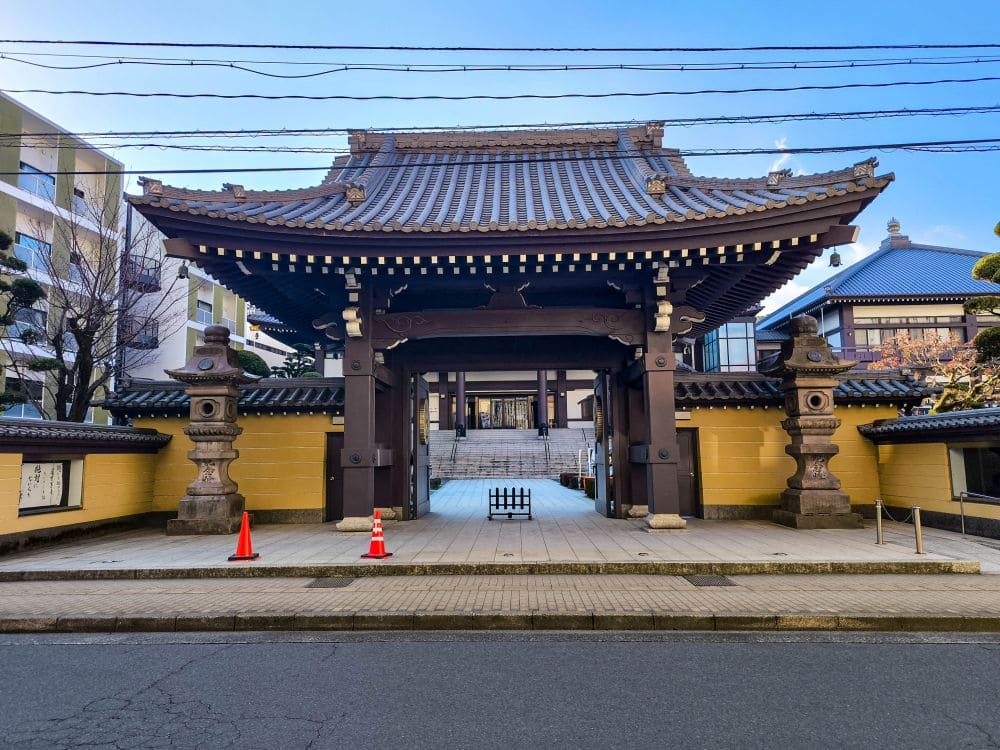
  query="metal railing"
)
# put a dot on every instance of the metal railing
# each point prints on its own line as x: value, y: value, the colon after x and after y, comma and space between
x: 140, y: 333
x: 142, y: 274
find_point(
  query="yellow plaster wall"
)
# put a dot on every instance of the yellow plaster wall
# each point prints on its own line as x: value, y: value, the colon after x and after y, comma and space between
x: 282, y: 463
x: 920, y: 474
x: 114, y: 485
x: 743, y: 460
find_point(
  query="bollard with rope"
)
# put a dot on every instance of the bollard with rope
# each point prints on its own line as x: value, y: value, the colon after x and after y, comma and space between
x: 879, y: 536
x: 917, y: 529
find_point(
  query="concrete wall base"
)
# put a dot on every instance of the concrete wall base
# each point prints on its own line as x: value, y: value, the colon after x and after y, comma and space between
x: 25, y: 539
x: 738, y: 512
x: 290, y: 515
x: 987, y: 527
x: 817, y: 520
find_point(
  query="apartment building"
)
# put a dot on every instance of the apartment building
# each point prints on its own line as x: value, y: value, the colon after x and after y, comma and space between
x: 56, y: 180
x: 39, y: 189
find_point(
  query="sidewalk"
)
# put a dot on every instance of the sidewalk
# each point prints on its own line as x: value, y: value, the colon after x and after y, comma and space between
x: 566, y: 537
x: 620, y: 602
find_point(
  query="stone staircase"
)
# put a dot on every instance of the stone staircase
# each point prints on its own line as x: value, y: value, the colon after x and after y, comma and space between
x: 507, y: 453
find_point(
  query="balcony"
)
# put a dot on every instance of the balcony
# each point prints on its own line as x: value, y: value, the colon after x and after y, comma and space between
x: 140, y: 333
x: 37, y: 182
x: 142, y: 274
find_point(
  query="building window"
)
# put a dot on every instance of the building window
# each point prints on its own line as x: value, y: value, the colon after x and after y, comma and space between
x: 204, y: 312
x: 976, y: 471
x: 37, y: 182
x: 79, y: 203
x: 731, y: 348
x: 28, y: 319
x: 32, y: 389
x: 34, y: 252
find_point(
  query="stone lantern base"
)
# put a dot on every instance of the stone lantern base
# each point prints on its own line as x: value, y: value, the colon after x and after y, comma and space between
x: 218, y: 514
x: 816, y: 509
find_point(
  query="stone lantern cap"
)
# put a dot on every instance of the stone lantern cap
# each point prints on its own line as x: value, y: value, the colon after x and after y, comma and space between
x: 808, y: 353
x: 215, y: 361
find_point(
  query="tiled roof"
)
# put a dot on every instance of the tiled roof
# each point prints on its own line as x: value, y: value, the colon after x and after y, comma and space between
x: 508, y: 181
x: 51, y: 435
x: 710, y: 389
x: 898, y: 270
x: 266, y: 396
x: 970, y: 424
x: 267, y: 322
x: 771, y: 335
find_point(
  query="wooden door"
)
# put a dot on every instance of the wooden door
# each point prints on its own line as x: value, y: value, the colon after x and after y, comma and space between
x: 334, y: 484
x: 688, y: 473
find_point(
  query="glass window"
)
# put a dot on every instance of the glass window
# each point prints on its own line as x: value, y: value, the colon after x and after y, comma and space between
x: 36, y: 181
x: 204, y: 312
x: 982, y: 471
x: 28, y: 319
x: 738, y: 352
x: 32, y: 251
x: 79, y: 203
x: 31, y: 389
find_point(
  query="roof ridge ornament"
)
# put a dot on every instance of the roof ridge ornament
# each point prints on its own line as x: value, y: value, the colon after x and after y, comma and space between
x: 775, y: 178
x: 866, y: 168
x: 239, y: 192
x: 151, y: 186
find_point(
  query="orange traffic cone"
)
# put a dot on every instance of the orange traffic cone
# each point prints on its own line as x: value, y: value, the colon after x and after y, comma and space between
x: 377, y: 548
x: 244, y: 547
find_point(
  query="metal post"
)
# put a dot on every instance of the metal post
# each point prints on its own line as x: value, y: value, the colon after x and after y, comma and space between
x: 917, y: 530
x: 961, y: 509
x: 879, y: 536
x: 579, y: 468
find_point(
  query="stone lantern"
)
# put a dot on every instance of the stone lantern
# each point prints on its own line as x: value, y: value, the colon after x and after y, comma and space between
x: 213, y: 375
x: 808, y: 366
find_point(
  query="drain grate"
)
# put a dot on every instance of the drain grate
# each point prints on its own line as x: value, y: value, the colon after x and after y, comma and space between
x: 709, y: 581
x: 329, y: 583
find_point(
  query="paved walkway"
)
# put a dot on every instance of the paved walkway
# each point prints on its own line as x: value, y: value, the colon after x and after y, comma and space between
x: 566, y: 532
x: 830, y: 602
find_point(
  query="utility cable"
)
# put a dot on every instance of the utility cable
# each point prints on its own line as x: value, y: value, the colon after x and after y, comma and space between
x: 954, y: 146
x: 444, y: 129
x: 806, y: 65
x: 500, y: 97
x: 429, y: 48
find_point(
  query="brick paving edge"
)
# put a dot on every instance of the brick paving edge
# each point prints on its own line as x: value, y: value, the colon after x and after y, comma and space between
x: 538, y: 620
x: 253, y: 570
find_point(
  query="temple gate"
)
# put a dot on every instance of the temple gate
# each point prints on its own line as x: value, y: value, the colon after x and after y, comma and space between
x: 531, y: 250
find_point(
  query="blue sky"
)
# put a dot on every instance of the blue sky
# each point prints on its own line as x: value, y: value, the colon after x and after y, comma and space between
x: 939, y: 198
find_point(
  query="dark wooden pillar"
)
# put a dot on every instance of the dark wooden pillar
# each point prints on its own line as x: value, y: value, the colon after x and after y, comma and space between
x: 444, y: 402
x: 359, y: 454
x: 542, y: 411
x: 562, y: 413
x: 659, y: 450
x: 460, y: 408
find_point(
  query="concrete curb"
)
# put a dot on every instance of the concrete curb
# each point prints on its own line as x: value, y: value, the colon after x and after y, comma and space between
x: 256, y: 570
x: 251, y: 621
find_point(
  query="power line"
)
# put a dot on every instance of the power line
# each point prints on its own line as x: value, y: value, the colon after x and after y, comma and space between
x: 428, y: 48
x: 509, y: 68
x: 949, y: 146
x: 500, y: 97
x: 676, y: 122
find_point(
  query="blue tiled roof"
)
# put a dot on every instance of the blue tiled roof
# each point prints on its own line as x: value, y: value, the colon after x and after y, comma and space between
x: 909, y: 271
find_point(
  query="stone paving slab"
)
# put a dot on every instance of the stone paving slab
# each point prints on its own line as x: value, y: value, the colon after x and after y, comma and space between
x: 568, y: 536
x: 627, y: 602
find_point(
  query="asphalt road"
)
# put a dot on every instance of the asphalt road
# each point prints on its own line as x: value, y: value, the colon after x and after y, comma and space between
x: 411, y: 690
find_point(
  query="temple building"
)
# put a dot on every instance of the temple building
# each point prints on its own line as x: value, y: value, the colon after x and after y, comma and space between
x: 903, y: 287
x: 580, y: 261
